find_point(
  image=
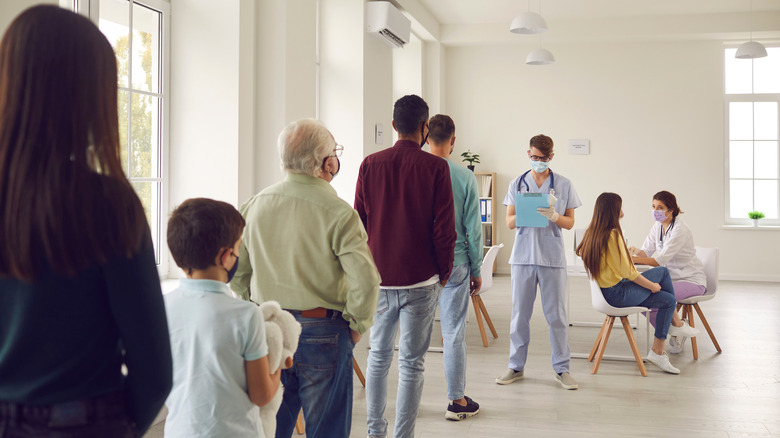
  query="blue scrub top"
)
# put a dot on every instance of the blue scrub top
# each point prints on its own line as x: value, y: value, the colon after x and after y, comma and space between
x: 542, y: 246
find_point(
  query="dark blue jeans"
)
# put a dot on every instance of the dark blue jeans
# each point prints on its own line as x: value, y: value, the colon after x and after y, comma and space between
x: 102, y: 416
x: 629, y: 294
x: 320, y: 380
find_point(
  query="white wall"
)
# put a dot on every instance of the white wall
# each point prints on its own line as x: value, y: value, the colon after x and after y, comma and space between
x: 653, y: 112
x: 204, y: 101
x: 9, y: 9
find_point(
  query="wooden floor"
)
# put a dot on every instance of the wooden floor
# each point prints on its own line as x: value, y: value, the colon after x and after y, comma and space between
x: 733, y: 394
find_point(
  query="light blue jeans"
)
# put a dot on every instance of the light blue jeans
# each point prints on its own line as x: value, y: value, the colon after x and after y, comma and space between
x: 453, y: 308
x: 552, y: 288
x: 414, y: 310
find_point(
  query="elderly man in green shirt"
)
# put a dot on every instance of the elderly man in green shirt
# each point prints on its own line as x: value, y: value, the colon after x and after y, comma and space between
x: 306, y: 248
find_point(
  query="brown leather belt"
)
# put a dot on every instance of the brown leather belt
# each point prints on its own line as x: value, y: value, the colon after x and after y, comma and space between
x: 319, y: 313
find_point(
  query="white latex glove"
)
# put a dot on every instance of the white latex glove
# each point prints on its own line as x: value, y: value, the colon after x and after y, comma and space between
x: 549, y: 213
x: 634, y: 251
x: 553, y: 199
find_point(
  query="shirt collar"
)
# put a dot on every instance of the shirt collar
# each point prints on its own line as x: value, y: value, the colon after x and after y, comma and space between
x: 309, y: 180
x: 407, y: 144
x: 213, y: 286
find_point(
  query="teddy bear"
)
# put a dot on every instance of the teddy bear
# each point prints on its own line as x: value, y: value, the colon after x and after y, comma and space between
x: 282, y: 332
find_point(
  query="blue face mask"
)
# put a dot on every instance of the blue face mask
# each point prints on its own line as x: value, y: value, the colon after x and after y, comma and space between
x: 232, y: 271
x: 659, y: 215
x: 539, y: 166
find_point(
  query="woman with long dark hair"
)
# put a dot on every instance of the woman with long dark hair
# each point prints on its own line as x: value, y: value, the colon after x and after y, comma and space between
x: 605, y: 256
x: 84, y: 347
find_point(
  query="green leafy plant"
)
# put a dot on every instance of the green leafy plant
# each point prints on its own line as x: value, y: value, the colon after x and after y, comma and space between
x: 755, y: 215
x: 470, y: 158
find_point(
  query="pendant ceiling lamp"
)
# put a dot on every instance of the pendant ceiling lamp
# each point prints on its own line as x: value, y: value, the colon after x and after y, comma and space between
x: 540, y: 56
x: 528, y: 22
x: 751, y: 49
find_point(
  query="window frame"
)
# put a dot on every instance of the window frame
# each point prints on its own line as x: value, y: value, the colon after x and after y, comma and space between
x: 91, y: 9
x: 743, y: 97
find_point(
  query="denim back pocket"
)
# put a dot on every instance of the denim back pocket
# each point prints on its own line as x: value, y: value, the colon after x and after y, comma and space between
x: 317, y: 356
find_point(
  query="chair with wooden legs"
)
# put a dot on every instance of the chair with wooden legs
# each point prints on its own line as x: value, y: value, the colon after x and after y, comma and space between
x: 600, y: 304
x: 487, y: 283
x: 299, y: 424
x: 709, y: 258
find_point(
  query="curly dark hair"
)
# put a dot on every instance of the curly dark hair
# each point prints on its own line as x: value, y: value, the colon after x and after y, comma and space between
x: 409, y: 112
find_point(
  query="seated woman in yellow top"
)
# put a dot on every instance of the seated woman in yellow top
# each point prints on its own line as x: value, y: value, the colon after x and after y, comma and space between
x: 604, y: 253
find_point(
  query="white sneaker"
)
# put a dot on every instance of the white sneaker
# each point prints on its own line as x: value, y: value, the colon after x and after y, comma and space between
x: 683, y: 330
x: 675, y: 345
x: 662, y: 362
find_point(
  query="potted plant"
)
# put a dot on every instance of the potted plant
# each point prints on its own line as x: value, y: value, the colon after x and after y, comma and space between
x: 755, y: 216
x: 470, y: 158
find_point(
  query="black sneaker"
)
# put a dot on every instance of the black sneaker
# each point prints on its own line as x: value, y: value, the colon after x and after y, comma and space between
x: 456, y: 412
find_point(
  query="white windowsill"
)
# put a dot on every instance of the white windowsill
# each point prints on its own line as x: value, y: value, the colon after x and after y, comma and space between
x: 750, y: 228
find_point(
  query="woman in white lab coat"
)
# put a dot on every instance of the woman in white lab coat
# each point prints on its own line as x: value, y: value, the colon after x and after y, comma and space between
x: 670, y: 244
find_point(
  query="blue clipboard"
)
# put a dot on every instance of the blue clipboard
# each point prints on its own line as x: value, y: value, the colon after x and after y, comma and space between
x: 525, y: 209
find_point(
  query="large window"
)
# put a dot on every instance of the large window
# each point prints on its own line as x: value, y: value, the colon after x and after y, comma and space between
x: 752, y: 132
x: 137, y: 30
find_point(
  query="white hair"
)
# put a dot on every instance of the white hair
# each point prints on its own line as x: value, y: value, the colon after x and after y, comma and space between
x: 303, y: 145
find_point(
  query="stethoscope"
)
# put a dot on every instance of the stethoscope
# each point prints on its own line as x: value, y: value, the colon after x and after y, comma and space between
x: 528, y: 189
x: 661, y: 241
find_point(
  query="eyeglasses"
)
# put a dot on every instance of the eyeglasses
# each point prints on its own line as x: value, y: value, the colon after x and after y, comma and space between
x: 538, y: 158
x: 337, y: 151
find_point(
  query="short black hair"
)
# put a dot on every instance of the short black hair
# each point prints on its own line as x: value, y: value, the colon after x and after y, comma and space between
x: 199, y: 228
x: 409, y: 112
x: 441, y: 128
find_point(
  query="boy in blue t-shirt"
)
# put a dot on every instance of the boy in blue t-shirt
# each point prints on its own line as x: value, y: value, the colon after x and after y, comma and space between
x: 220, y: 363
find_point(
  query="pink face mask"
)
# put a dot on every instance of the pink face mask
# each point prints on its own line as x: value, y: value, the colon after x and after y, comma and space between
x: 659, y: 215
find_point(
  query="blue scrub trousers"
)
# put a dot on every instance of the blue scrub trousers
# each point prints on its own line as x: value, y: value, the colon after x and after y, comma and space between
x: 552, y: 286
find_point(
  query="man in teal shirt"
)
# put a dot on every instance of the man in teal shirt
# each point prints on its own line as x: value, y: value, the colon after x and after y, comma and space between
x: 466, y: 276
x: 306, y: 248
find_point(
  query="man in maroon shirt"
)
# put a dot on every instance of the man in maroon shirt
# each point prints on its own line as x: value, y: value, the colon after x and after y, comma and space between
x: 404, y: 198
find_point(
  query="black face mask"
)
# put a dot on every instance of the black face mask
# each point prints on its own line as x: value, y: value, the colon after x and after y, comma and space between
x: 425, y: 137
x: 232, y: 271
x: 338, y: 169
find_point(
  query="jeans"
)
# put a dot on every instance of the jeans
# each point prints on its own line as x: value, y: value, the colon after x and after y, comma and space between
x: 628, y: 294
x: 414, y: 309
x: 320, y: 380
x: 552, y: 289
x: 102, y: 416
x: 682, y: 290
x: 453, y: 308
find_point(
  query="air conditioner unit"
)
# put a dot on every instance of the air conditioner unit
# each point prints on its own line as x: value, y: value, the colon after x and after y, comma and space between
x: 387, y: 23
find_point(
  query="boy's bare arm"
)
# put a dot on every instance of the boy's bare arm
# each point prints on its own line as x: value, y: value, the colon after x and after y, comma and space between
x: 262, y: 385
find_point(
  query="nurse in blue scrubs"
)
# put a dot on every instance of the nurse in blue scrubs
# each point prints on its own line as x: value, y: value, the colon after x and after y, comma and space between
x: 538, y: 259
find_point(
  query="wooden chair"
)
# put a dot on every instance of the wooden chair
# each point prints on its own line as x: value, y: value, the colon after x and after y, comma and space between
x: 487, y: 283
x: 600, y: 304
x: 709, y: 258
x: 299, y: 424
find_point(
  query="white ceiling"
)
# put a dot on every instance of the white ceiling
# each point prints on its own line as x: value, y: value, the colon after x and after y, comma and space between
x: 479, y: 22
x: 502, y: 11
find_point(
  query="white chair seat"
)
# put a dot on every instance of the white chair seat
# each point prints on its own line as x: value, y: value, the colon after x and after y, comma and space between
x: 487, y: 284
x: 709, y: 259
x: 696, y: 299
x: 611, y: 312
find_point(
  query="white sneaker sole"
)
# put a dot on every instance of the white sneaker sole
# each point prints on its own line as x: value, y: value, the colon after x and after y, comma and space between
x: 662, y: 368
x: 458, y: 416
